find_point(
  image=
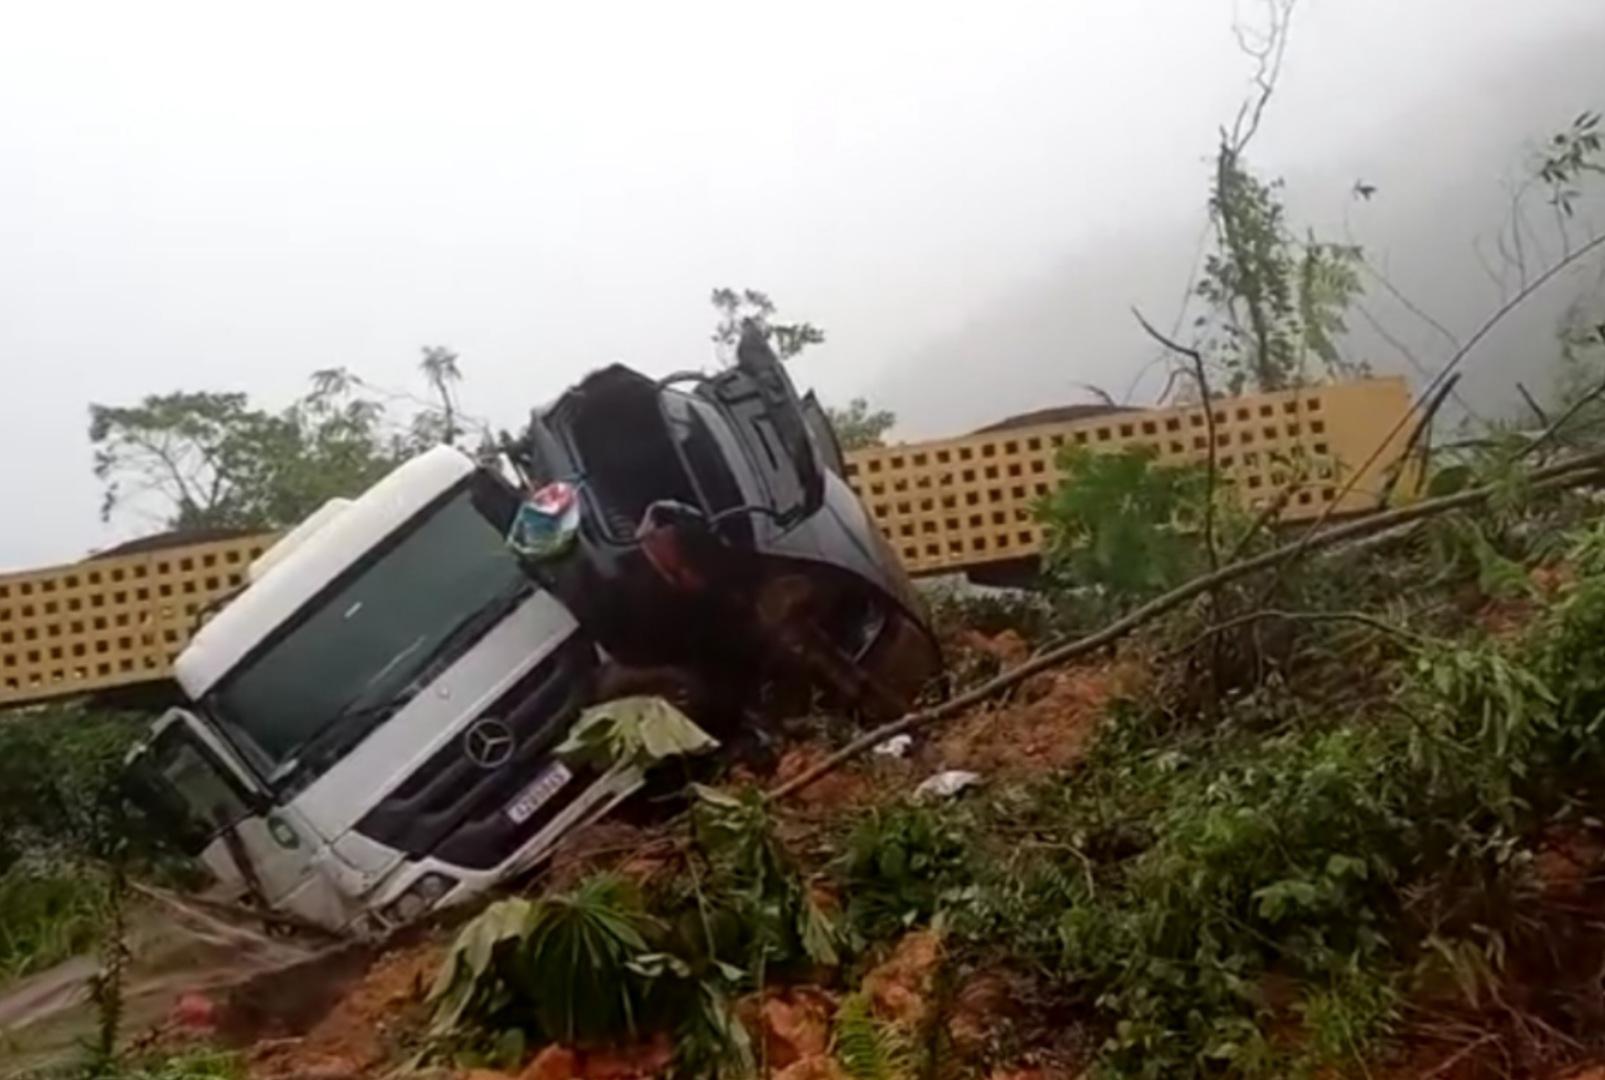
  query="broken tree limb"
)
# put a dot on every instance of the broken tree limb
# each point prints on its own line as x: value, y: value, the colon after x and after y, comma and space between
x: 1359, y: 617
x: 1570, y: 473
x: 1430, y: 391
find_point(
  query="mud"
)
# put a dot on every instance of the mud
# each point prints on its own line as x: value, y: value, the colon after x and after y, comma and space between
x: 1045, y: 727
x: 347, y: 1014
x: 175, y: 949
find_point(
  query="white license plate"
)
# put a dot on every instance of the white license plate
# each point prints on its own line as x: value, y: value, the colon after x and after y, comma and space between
x: 540, y: 790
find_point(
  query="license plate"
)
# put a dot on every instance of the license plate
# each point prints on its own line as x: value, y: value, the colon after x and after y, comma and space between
x: 539, y: 792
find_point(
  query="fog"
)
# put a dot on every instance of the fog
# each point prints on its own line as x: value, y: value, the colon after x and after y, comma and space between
x: 968, y: 198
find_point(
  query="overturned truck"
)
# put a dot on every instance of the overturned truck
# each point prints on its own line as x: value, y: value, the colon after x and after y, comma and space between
x: 371, y: 727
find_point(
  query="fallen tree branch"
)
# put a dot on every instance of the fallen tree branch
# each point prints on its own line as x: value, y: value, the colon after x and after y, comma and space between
x: 1418, y: 439
x: 1430, y: 391
x: 1294, y: 616
x: 1563, y: 419
x: 1210, y: 465
x: 1577, y: 470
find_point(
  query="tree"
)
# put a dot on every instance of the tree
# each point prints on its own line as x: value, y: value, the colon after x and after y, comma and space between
x: 736, y: 309
x: 1276, y: 300
x: 858, y: 427
x: 1124, y: 523
x: 439, y: 367
x: 212, y: 460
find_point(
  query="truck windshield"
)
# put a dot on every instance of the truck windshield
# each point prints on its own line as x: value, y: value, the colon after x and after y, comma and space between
x: 363, y: 647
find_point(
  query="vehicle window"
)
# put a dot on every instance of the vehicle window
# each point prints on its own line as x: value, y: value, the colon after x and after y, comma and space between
x: 360, y: 648
x: 207, y: 794
x: 692, y: 424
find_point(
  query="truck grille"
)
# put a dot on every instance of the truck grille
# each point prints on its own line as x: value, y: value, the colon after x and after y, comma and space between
x: 454, y: 809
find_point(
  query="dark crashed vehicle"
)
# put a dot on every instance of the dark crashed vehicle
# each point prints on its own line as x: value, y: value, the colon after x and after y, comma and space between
x: 700, y: 529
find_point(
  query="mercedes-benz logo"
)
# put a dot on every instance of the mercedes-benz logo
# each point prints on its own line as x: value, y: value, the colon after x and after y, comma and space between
x: 488, y: 744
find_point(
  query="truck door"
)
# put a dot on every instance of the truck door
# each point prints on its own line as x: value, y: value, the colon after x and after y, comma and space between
x: 770, y: 418
x: 188, y: 781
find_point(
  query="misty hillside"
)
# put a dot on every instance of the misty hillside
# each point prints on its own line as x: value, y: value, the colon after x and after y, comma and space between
x: 1442, y: 171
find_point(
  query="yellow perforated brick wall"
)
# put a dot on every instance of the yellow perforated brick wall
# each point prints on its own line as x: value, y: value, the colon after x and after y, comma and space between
x: 949, y: 504
x: 945, y: 505
x: 113, y: 621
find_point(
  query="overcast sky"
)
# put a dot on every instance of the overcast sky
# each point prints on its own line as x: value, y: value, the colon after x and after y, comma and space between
x: 229, y: 196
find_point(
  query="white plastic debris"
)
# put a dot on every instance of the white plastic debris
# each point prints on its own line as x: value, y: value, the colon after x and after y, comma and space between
x: 896, y: 747
x: 945, y: 785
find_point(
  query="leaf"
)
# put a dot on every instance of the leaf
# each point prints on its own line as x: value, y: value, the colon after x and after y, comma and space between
x: 867, y: 1049
x: 817, y: 933
x: 1341, y: 866
x: 714, y: 797
x: 1279, y: 899
x: 508, y: 1052
x: 634, y: 731
x: 1449, y: 480
x: 579, y: 962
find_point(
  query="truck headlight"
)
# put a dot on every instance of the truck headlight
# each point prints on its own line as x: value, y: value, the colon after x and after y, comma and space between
x: 420, y: 897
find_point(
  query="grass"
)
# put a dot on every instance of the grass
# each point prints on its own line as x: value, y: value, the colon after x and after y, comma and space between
x: 48, y: 916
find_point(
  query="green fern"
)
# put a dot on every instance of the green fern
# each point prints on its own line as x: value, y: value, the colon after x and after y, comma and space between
x: 866, y: 1048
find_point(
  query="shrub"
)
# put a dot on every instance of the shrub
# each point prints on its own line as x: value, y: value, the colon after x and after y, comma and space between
x: 46, y: 917
x: 898, y: 863
x: 568, y: 967
x: 1123, y: 523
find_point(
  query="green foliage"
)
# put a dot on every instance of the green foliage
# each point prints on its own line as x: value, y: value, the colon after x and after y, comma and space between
x: 1493, y: 544
x: 194, y: 1063
x: 213, y: 460
x: 898, y: 864
x: 1183, y: 872
x: 1276, y: 301
x: 866, y: 1048
x: 858, y: 426
x: 756, y: 904
x: 199, y: 1064
x: 1264, y: 856
x: 634, y: 731
x: 597, y: 965
x: 60, y: 796
x: 47, y: 916
x: 1123, y: 522
x: 577, y: 964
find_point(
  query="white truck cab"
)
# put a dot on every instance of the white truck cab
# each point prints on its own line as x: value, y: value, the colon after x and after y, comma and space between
x: 370, y: 724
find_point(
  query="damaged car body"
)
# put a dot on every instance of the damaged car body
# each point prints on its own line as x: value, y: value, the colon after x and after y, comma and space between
x: 717, y: 538
x: 372, y: 729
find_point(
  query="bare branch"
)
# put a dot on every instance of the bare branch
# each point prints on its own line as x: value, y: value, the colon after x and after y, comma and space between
x: 1532, y: 404
x: 1381, y: 278
x: 1096, y: 391
x: 1497, y: 279
x: 1292, y: 616
x: 1562, y: 420
x: 1209, y: 419
x: 1431, y: 391
x: 1418, y: 437
x: 1267, y: 53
